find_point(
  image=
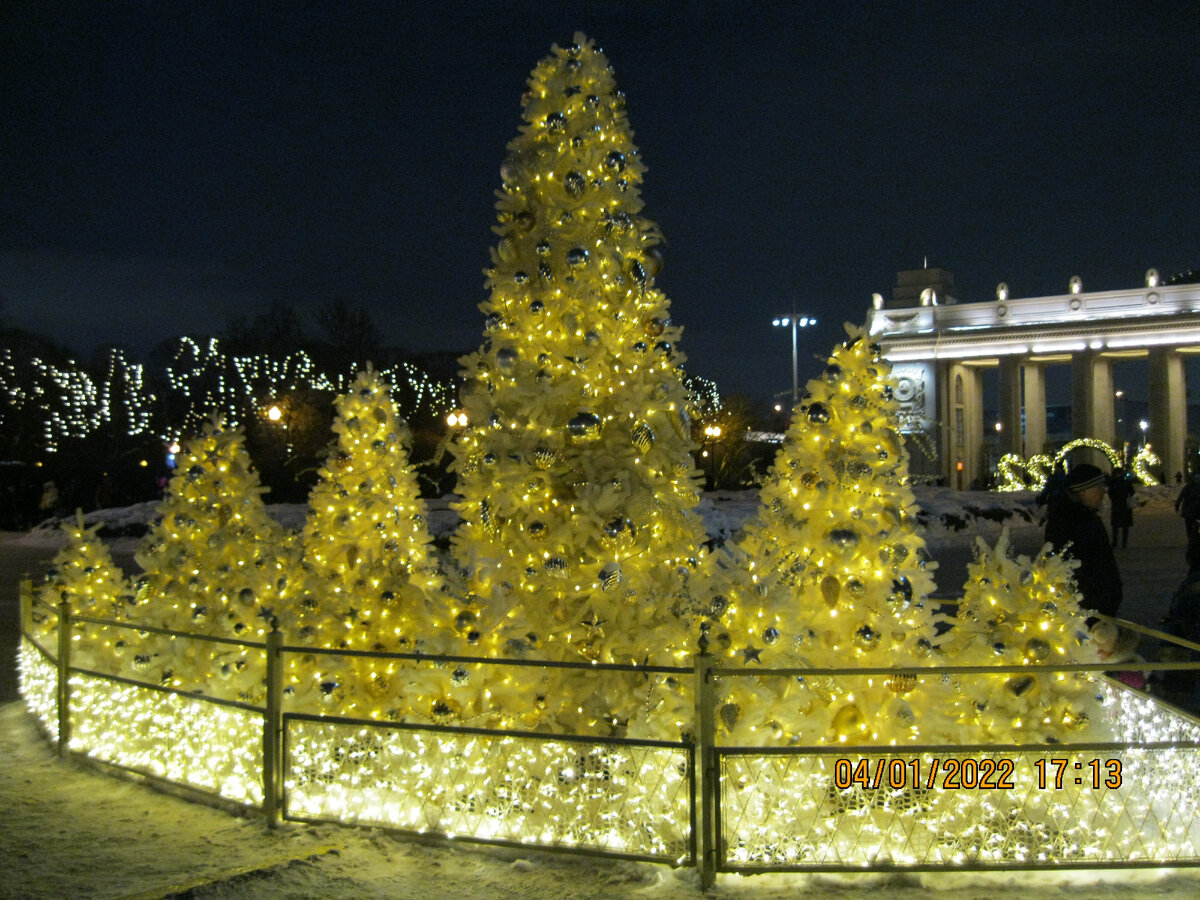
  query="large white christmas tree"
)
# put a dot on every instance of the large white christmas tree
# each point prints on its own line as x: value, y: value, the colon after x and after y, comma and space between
x: 579, y: 540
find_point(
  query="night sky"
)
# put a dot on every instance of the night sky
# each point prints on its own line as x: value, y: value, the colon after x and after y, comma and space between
x: 167, y: 165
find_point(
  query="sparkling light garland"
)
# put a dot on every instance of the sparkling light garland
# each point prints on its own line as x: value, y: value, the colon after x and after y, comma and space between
x: 68, y: 402
x: 1017, y: 474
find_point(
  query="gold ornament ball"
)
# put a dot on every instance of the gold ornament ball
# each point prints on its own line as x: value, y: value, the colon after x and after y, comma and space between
x: 1036, y: 649
x: 830, y: 589
x: 848, y: 721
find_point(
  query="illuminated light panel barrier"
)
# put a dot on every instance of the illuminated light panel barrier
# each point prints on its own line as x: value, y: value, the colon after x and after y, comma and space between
x: 37, y: 676
x: 196, y: 742
x: 1125, y: 803
x: 735, y: 809
x: 204, y: 743
x: 609, y: 796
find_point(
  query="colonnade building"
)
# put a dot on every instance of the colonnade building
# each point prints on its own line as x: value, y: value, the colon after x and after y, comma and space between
x: 940, y: 349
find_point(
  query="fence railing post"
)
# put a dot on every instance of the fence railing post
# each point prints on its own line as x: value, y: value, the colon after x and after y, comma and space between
x: 273, y: 729
x: 64, y: 677
x: 26, y: 594
x: 706, y: 762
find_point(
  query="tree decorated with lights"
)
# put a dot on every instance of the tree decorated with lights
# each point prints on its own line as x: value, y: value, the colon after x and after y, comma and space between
x: 84, y: 575
x: 578, y: 490
x: 831, y: 573
x: 215, y: 563
x: 1022, y: 611
x: 367, y: 579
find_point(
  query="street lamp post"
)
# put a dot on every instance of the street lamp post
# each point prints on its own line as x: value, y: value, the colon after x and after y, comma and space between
x: 796, y: 323
x: 713, y: 433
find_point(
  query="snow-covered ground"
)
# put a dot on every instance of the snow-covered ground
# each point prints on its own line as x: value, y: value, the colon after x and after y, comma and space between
x: 72, y: 831
x: 943, y: 512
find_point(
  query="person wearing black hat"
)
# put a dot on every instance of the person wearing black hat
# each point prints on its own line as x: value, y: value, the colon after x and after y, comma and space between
x: 1074, y: 529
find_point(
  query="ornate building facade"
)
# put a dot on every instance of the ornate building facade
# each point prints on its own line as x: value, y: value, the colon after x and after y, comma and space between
x: 940, y: 349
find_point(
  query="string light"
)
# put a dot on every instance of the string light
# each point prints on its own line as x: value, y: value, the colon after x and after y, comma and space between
x: 69, y: 403
x: 1016, y: 474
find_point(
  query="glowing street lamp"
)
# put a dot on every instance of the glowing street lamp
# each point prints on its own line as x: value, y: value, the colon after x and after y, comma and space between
x: 795, y: 323
x: 712, y: 434
x: 1145, y: 426
x: 457, y: 419
x: 274, y: 413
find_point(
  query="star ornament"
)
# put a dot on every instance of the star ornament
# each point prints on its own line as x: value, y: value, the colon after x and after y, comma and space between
x: 751, y: 654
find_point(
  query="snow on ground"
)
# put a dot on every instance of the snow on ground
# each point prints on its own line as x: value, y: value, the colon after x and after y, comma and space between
x: 943, y: 513
x: 72, y: 830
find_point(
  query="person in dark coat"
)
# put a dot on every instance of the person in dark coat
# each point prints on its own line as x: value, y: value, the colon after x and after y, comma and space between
x: 1074, y: 529
x: 1183, y: 620
x: 1120, y: 503
x: 1055, y: 489
x: 1187, y: 504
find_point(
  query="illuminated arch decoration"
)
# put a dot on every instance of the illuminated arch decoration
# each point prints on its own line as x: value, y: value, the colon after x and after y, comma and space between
x: 1141, y: 465
x: 1017, y: 474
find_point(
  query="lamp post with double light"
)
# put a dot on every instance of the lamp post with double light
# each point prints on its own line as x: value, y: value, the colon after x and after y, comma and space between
x: 796, y: 323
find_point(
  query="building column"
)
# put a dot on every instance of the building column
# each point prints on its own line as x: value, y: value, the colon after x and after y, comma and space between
x: 1168, y: 410
x: 961, y: 410
x: 1035, y: 409
x: 974, y: 416
x: 1010, y: 405
x: 945, y: 413
x: 1104, y: 402
x: 1092, y: 402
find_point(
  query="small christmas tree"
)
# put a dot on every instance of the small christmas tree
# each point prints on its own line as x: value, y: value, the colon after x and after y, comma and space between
x: 368, y: 580
x: 83, y: 573
x: 579, y: 538
x: 832, y: 572
x: 1022, y: 611
x: 215, y: 563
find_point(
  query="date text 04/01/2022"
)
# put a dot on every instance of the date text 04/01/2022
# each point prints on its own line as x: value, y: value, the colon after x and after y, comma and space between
x: 967, y: 773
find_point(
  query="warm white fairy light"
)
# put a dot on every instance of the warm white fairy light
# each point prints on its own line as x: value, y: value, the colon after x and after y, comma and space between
x: 1017, y: 474
x: 634, y: 800
x: 624, y: 799
x: 792, y: 814
x: 213, y: 382
x: 38, y: 682
x: 203, y: 745
x: 70, y: 403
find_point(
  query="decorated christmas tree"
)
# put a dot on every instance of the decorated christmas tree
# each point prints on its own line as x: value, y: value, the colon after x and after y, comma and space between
x: 579, y: 538
x: 368, y: 580
x: 83, y: 573
x: 1022, y: 611
x: 215, y: 563
x: 831, y: 573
